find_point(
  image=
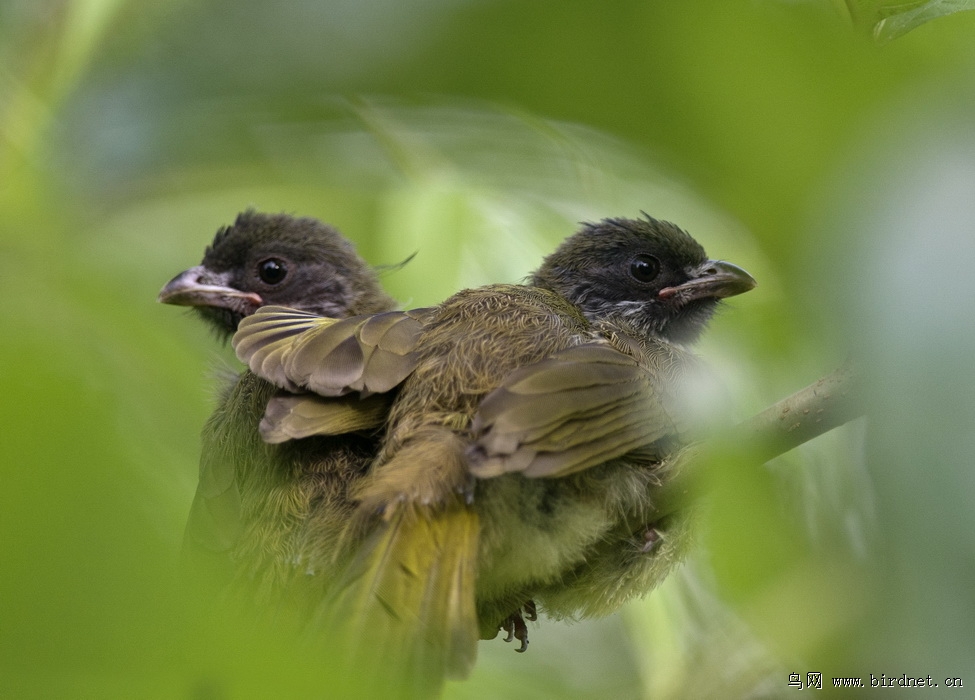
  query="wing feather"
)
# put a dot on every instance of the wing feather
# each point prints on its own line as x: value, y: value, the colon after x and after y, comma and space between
x: 297, y: 351
x: 579, y: 408
x: 292, y: 417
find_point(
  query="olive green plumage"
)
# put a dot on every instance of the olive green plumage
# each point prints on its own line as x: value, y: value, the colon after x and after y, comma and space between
x: 531, y: 427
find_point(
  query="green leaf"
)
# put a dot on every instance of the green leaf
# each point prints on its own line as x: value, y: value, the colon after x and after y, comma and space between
x: 903, y: 17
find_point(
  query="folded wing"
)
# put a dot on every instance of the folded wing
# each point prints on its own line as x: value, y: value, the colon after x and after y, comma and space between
x: 578, y: 408
x: 299, y: 351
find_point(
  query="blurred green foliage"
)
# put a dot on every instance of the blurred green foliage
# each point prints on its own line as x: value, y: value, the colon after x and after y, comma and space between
x: 837, y: 169
x: 889, y: 19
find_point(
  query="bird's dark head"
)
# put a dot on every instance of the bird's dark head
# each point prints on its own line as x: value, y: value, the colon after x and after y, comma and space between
x: 277, y: 259
x: 649, y: 274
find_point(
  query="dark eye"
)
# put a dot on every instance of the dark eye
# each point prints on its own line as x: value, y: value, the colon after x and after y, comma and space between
x: 644, y: 268
x: 272, y: 271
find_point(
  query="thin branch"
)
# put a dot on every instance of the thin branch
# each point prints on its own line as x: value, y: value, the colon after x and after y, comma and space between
x: 828, y: 403
x: 823, y: 405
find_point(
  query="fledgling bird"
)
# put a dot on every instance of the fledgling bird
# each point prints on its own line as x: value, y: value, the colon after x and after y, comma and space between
x: 264, y: 516
x: 532, y: 426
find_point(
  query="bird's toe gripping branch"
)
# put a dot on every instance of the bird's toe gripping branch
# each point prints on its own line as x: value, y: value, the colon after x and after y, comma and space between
x: 515, y: 625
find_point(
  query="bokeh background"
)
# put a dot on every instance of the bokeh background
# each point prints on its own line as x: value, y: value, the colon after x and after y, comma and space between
x: 827, y: 147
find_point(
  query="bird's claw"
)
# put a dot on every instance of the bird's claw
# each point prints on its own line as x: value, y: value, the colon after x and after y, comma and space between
x: 651, y: 536
x: 515, y: 625
x: 466, y: 489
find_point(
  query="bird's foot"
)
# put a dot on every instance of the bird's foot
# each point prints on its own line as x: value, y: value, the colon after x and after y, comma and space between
x: 515, y: 625
x: 651, y: 536
x: 466, y: 489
